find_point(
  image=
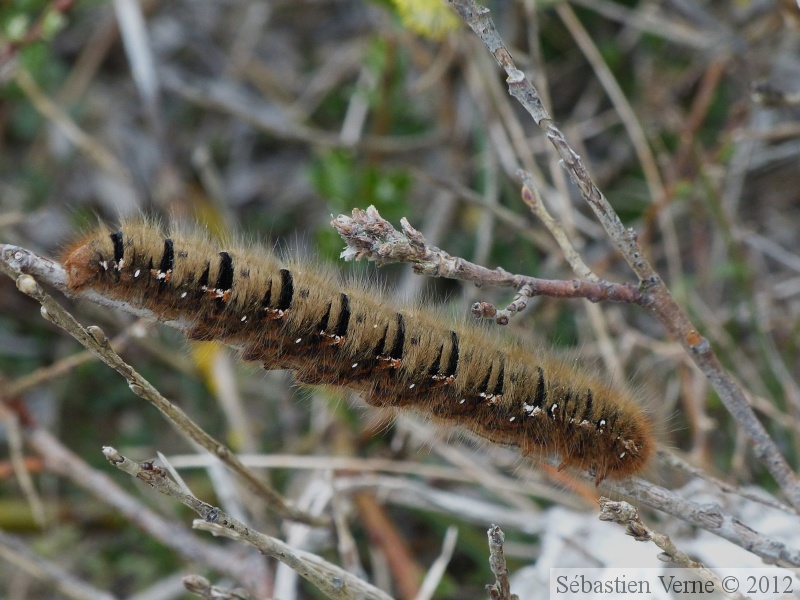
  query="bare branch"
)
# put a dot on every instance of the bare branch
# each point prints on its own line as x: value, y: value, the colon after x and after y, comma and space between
x: 201, y: 587
x: 710, y: 517
x: 17, y: 553
x: 61, y: 461
x: 501, y: 588
x: 329, y: 578
x: 369, y: 236
x: 627, y: 515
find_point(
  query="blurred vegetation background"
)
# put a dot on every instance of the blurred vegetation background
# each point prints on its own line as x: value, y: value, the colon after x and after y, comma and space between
x: 262, y: 119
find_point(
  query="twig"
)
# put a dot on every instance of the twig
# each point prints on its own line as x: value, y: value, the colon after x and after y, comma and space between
x: 11, y: 423
x: 200, y: 586
x: 627, y: 515
x: 614, y: 92
x: 661, y: 303
x: 103, y: 157
x: 17, y: 553
x: 369, y: 236
x: 435, y: 573
x: 674, y: 461
x: 61, y: 367
x: 63, y: 462
x: 329, y: 578
x: 656, y: 22
x: 233, y: 99
x: 486, y: 310
x: 709, y: 516
x: 389, y: 541
x: 531, y: 197
x: 93, y: 339
x: 501, y: 588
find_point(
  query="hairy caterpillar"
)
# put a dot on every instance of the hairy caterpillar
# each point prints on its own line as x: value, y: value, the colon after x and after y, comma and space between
x: 289, y: 316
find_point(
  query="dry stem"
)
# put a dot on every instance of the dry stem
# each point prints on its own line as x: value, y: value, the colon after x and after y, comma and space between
x: 501, y: 588
x: 15, y: 551
x: 627, y: 515
x: 332, y: 580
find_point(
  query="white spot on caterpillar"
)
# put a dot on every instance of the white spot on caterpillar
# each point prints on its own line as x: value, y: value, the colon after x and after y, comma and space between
x: 120, y: 264
x: 298, y: 340
x: 553, y: 409
x: 602, y: 422
x: 411, y: 387
x: 244, y: 318
x: 104, y: 264
x: 139, y: 272
x: 462, y: 401
x: 183, y: 295
x: 511, y: 420
x: 443, y: 379
x: 623, y: 455
x: 354, y: 365
x: 528, y: 408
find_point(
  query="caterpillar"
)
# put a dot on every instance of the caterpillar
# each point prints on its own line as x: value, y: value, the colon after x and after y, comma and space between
x: 289, y: 315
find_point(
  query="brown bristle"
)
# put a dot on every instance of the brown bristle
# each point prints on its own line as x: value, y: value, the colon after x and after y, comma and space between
x: 294, y: 317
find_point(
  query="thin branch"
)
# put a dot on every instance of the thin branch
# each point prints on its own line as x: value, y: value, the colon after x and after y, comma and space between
x: 501, y: 588
x: 674, y: 461
x: 662, y: 305
x: 486, y: 310
x: 61, y: 461
x: 531, y: 197
x: 201, y: 587
x: 627, y: 515
x: 369, y: 236
x: 332, y: 580
x: 45, y: 374
x: 274, y: 120
x: 436, y: 572
x: 14, y: 437
x: 709, y: 516
x: 16, y: 552
x: 101, y: 155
